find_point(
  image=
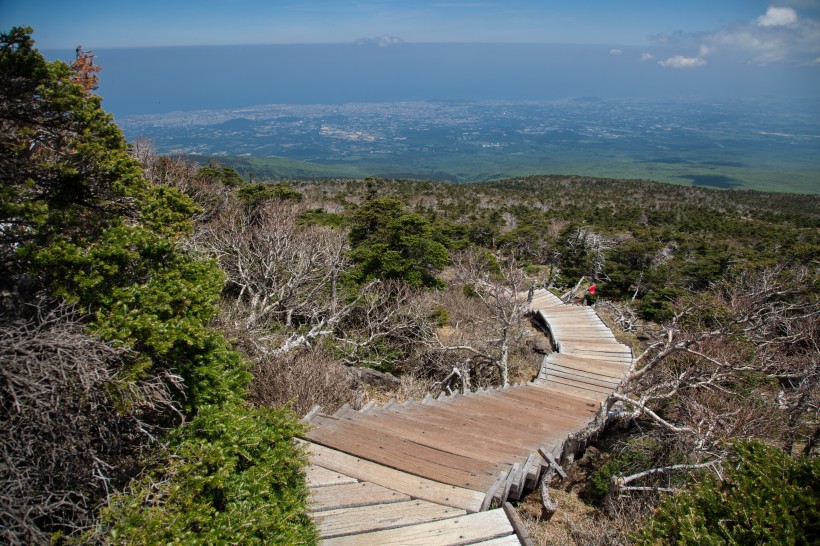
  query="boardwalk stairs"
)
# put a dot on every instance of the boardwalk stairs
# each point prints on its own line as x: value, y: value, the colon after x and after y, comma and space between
x: 439, y: 471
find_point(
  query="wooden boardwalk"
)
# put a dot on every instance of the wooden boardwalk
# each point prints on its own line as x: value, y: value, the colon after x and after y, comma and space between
x: 430, y: 472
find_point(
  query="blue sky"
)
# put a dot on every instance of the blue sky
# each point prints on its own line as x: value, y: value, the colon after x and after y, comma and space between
x: 629, y: 48
x: 120, y: 23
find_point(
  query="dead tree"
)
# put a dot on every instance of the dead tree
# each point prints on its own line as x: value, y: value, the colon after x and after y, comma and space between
x: 488, y: 323
x: 72, y: 424
x: 279, y: 273
x: 740, y: 361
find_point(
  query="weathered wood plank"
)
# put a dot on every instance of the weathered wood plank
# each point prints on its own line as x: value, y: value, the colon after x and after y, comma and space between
x: 317, y: 476
x: 309, y: 415
x: 510, y: 540
x: 590, y: 396
x: 492, y: 492
x: 480, y: 417
x: 349, y: 521
x: 520, y: 531
x: 508, y: 483
x: 397, y: 480
x: 596, y: 392
x: 613, y: 370
x: 521, y: 484
x: 352, y: 494
x: 444, y: 426
x: 581, y: 375
x: 395, y: 452
x: 467, y: 529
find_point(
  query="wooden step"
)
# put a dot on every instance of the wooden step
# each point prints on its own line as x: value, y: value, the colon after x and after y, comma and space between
x: 403, y: 482
x: 467, y: 529
x: 352, y: 494
x: 474, y: 426
x: 608, y: 369
x: 317, y: 476
x: 351, y: 521
x: 448, y: 441
x: 409, y: 457
x: 592, y: 397
x: 581, y: 375
x: 578, y: 381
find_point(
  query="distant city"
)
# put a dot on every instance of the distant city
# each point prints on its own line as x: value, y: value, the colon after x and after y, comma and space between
x: 753, y: 143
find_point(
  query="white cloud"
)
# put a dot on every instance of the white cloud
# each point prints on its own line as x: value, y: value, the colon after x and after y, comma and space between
x: 616, y: 52
x: 778, y: 35
x: 777, y: 17
x: 381, y: 41
x: 646, y: 57
x: 679, y: 61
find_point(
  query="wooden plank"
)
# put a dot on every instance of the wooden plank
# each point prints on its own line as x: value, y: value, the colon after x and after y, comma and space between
x: 309, y: 415
x: 395, y: 452
x: 531, y: 481
x: 493, y: 490
x: 509, y: 540
x: 523, y: 477
x: 513, y: 412
x: 520, y: 431
x: 436, y: 424
x: 482, y: 417
x: 596, y: 392
x: 341, y: 411
x: 590, y: 396
x: 567, y: 405
x: 615, y: 370
x: 548, y: 456
x: 397, y: 480
x: 518, y: 525
x: 588, y: 350
x: 526, y: 401
x: 349, y: 521
x: 458, y: 443
x: 467, y: 529
x: 457, y: 421
x: 352, y: 494
x: 509, y: 481
x: 584, y: 352
x: 317, y: 476
x: 603, y: 380
x: 579, y: 381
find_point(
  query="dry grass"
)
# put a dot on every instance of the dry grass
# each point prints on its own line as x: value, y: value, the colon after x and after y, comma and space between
x: 410, y: 388
x: 302, y: 380
x: 574, y: 524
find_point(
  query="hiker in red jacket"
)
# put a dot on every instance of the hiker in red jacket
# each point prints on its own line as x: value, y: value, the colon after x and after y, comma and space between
x: 589, y: 297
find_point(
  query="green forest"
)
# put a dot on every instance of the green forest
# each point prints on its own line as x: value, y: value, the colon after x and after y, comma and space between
x: 164, y: 324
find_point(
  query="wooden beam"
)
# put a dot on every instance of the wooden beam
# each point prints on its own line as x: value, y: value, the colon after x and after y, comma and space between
x: 517, y: 525
x: 553, y: 463
x: 414, y: 486
x: 311, y: 414
x: 467, y: 529
x: 488, y: 496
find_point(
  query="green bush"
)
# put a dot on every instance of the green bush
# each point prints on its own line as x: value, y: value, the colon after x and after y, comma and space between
x: 766, y: 497
x: 82, y: 224
x: 391, y: 243
x: 638, y: 453
x: 233, y: 477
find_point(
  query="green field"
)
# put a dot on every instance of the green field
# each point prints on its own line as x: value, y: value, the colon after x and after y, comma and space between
x: 477, y: 169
